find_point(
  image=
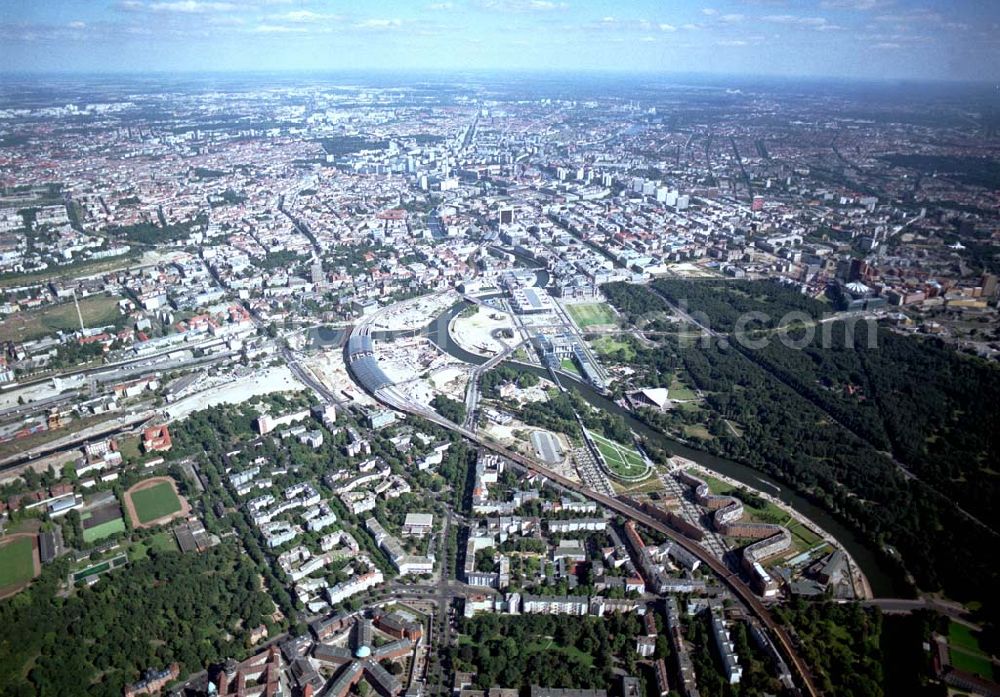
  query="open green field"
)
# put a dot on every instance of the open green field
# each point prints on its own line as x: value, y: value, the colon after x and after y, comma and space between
x: 963, y: 637
x: 802, y: 537
x: 697, y: 431
x: 765, y: 512
x: 608, y: 345
x: 623, y: 461
x: 591, y: 314
x: 678, y: 390
x: 643, y: 486
x: 966, y: 653
x: 162, y: 541
x: 977, y: 664
x: 129, y: 448
x: 17, y: 564
x: 99, y: 532
x: 548, y: 645
x: 97, y: 311
x: 155, y: 502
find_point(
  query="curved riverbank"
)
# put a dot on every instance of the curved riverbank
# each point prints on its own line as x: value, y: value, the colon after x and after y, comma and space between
x: 859, y: 580
x: 880, y: 582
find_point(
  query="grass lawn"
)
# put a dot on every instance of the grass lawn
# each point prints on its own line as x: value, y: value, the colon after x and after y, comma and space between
x: 767, y: 512
x: 646, y: 486
x: 569, y: 366
x: 715, y: 486
x: 97, y: 311
x: 129, y: 448
x: 623, y: 461
x: 17, y: 564
x: 608, y: 345
x: 547, y: 646
x: 802, y: 537
x: 163, y: 541
x: 103, y: 530
x: 155, y: 502
x: 976, y: 664
x: 591, y: 314
x: 697, y: 431
x: 678, y: 390
x: 963, y: 637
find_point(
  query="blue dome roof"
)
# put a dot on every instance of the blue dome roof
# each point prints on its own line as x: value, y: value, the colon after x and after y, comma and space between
x: 363, y: 652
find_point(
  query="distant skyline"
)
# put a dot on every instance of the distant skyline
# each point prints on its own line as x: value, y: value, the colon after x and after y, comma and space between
x: 866, y: 39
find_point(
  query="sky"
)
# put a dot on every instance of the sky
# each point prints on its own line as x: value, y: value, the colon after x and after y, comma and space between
x: 863, y: 39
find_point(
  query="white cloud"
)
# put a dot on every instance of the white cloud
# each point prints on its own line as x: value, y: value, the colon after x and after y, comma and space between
x: 305, y: 16
x: 77, y: 25
x: 225, y: 21
x: 379, y: 24
x: 192, y: 6
x: 734, y: 18
x: 917, y: 16
x: 522, y: 5
x: 795, y: 20
x: 853, y: 4
x: 731, y: 42
x: 439, y: 6
x: 278, y: 29
x: 667, y: 27
x: 709, y: 11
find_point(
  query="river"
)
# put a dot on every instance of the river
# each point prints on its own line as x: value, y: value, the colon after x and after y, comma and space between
x: 883, y: 584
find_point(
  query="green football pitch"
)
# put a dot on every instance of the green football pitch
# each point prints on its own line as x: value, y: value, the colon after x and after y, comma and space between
x: 155, y: 502
x: 17, y: 563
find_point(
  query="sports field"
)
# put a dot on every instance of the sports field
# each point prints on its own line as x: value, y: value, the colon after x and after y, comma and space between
x: 591, y: 314
x: 17, y: 564
x: 623, y: 462
x: 101, y: 521
x: 97, y: 311
x: 154, y: 502
x: 102, y: 530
